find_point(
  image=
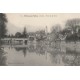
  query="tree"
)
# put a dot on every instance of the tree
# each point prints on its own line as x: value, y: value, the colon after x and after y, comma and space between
x: 3, y: 21
x: 72, y: 29
x: 18, y: 35
x: 24, y: 34
x: 55, y: 31
x: 73, y: 25
x: 41, y: 35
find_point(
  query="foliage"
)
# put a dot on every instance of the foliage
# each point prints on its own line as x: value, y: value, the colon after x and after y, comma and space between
x: 72, y: 30
x: 40, y: 35
x: 18, y: 35
x: 24, y: 34
x: 73, y: 25
x: 55, y: 31
x: 3, y: 21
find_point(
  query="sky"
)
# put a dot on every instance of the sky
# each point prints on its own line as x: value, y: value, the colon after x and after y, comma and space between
x: 36, y: 21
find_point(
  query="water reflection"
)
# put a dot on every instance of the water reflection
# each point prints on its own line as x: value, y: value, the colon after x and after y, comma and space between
x: 72, y: 57
x: 38, y: 49
x: 23, y: 49
x: 40, y: 54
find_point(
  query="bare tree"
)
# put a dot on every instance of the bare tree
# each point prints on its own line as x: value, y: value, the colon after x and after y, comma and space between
x: 55, y: 32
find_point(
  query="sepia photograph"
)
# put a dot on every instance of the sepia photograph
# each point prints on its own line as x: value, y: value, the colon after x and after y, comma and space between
x: 39, y: 39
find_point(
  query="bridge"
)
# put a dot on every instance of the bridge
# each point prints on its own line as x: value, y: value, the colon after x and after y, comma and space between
x: 16, y: 40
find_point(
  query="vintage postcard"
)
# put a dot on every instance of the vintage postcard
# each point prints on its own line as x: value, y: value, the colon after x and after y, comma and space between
x: 39, y: 39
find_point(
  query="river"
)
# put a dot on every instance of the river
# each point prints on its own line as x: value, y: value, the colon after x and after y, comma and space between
x: 40, y: 55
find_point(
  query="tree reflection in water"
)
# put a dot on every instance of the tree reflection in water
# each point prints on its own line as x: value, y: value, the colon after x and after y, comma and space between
x: 31, y: 48
x: 59, y: 55
x: 3, y: 57
x: 56, y: 56
x: 72, y: 57
x: 23, y: 49
x: 38, y: 49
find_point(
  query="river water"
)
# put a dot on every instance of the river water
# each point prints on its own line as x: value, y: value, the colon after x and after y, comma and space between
x: 40, y: 55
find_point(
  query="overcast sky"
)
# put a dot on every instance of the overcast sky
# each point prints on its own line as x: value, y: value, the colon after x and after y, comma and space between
x: 33, y: 22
